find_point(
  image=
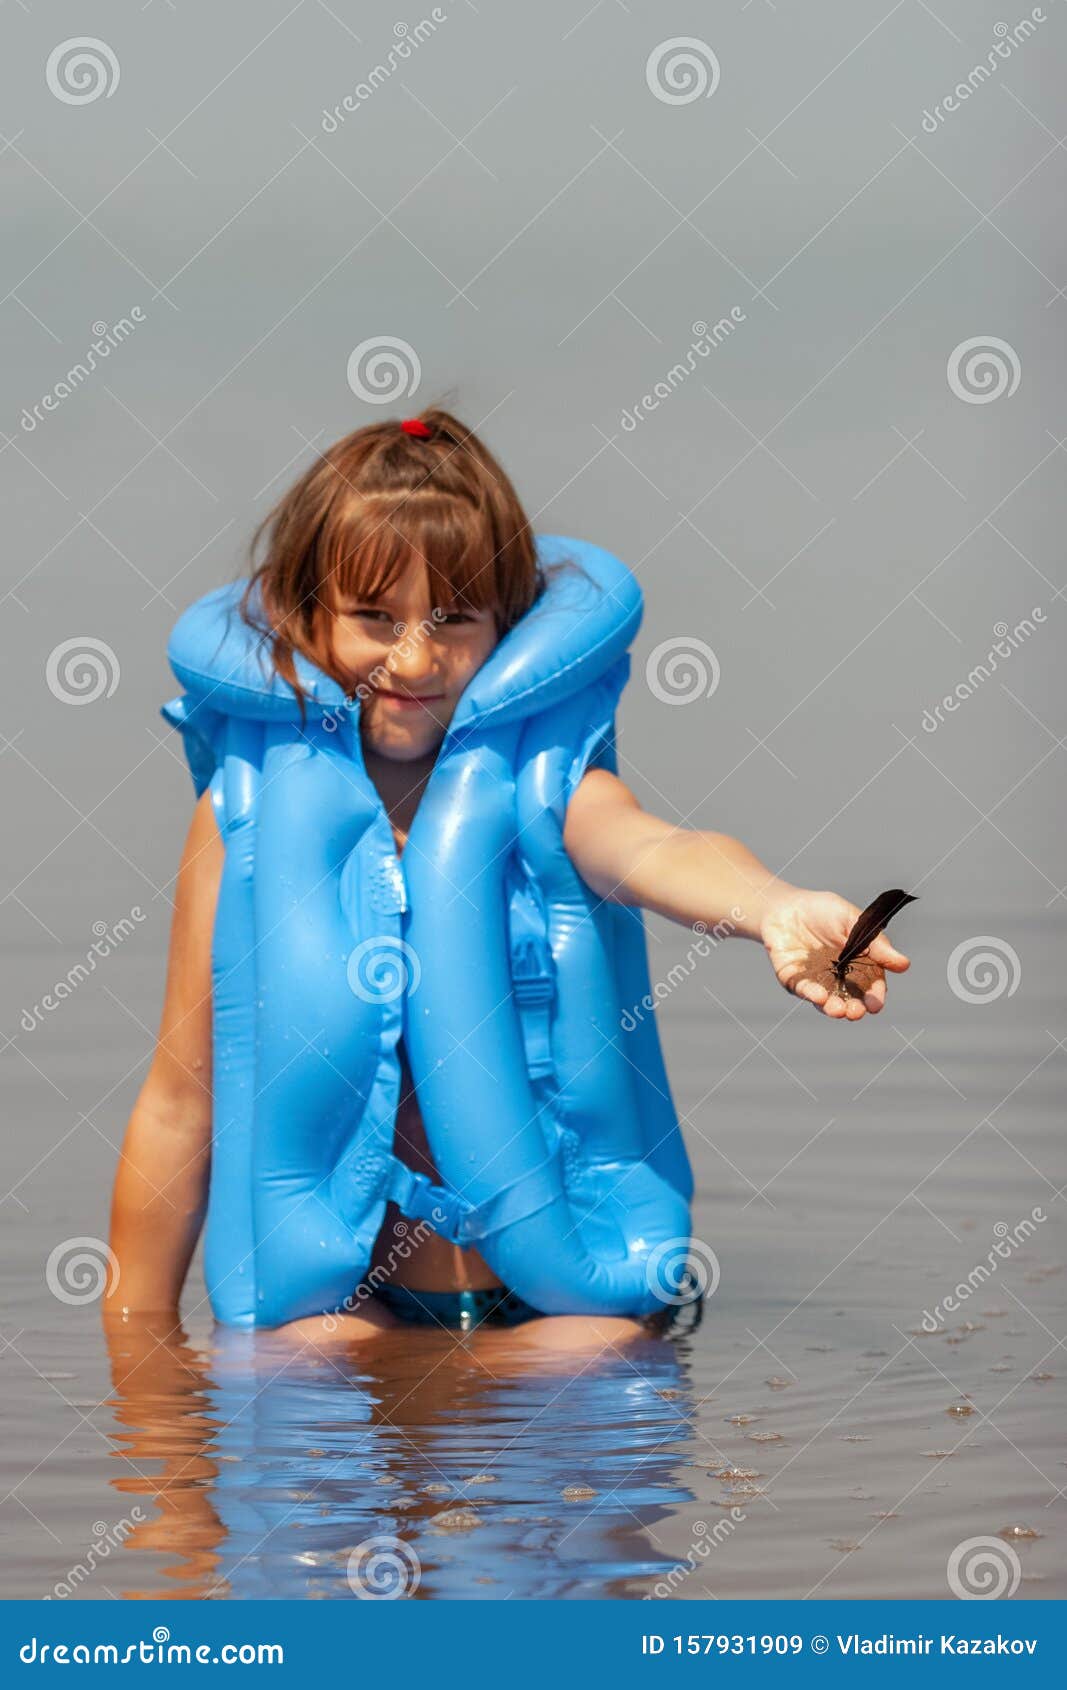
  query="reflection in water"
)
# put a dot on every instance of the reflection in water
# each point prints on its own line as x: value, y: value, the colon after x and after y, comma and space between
x: 500, y: 1476
x: 162, y: 1404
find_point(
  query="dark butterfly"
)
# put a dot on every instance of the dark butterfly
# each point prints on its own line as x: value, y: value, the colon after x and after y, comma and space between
x: 874, y: 919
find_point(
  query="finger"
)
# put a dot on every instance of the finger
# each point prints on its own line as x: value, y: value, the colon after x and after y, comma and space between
x: 885, y: 954
x: 874, y: 996
x: 800, y: 985
x: 834, y: 1007
x: 840, y: 1008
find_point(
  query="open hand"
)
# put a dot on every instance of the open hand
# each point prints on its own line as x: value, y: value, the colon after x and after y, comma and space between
x: 803, y: 931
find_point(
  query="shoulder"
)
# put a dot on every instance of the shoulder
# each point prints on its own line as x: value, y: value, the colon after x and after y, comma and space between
x: 598, y: 793
x: 600, y: 817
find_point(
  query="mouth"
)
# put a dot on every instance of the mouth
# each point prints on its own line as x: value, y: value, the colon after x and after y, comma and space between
x: 405, y: 703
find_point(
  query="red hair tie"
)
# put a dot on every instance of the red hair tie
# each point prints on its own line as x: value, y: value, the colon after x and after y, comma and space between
x: 415, y: 426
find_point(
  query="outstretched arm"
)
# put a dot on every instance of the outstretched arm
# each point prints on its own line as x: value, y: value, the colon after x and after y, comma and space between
x: 160, y: 1191
x: 628, y: 856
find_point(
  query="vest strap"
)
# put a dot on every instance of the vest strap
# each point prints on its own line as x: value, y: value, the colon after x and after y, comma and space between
x: 460, y: 1221
x: 515, y: 1202
x: 534, y: 987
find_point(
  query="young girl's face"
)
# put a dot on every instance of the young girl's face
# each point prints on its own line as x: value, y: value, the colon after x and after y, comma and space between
x: 411, y: 660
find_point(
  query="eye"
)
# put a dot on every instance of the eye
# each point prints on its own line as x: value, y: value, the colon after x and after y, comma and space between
x: 457, y: 614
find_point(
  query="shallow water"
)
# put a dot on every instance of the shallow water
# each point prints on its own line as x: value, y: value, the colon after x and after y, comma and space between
x: 806, y: 1439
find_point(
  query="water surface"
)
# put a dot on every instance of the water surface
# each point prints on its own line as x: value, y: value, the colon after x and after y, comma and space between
x: 811, y: 1437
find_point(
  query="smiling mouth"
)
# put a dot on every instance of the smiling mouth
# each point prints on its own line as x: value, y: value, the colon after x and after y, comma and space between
x: 407, y: 702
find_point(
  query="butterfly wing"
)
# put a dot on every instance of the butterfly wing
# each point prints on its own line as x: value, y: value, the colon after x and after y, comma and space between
x: 868, y: 926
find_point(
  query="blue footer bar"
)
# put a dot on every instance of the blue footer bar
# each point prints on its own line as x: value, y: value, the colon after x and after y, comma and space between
x: 508, y: 1645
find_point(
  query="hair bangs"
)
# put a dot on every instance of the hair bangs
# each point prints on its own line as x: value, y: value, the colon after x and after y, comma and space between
x: 373, y: 540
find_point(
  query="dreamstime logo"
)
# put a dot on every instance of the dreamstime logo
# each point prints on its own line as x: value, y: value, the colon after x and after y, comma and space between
x: 382, y: 969
x: 982, y: 1569
x: 80, y: 1270
x: 701, y: 346
x: 106, y: 940
x: 82, y: 70
x: 1008, y: 1240
x: 682, y: 70
x: 703, y: 945
x: 383, y: 1568
x: 682, y: 1270
x: 682, y: 669
x: 81, y: 670
x: 983, y: 369
x: 1008, y: 640
x: 407, y: 39
x: 105, y: 1539
x: 982, y: 969
x: 383, y: 369
x: 1007, y: 40
x: 160, y: 1651
x: 108, y: 336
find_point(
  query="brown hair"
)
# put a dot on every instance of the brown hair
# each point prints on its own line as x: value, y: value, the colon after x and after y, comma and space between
x: 351, y: 523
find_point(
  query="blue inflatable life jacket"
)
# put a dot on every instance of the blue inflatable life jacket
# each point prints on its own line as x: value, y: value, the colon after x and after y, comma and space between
x: 552, y: 1131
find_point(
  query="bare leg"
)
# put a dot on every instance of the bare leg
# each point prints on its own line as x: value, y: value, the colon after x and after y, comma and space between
x: 587, y: 1333
x: 330, y: 1330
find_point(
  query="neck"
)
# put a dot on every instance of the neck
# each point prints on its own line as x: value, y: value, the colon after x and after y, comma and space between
x: 399, y: 784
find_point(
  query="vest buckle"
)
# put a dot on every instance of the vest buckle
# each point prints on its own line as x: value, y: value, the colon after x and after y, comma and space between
x: 532, y: 973
x: 418, y: 1199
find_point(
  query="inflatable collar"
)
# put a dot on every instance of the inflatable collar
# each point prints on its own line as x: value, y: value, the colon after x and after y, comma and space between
x: 553, y: 1133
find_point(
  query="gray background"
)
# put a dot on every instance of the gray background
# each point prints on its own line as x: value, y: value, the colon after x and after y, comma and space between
x: 815, y: 504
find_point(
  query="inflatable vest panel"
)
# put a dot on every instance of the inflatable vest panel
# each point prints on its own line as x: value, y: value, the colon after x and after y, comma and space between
x: 552, y: 1131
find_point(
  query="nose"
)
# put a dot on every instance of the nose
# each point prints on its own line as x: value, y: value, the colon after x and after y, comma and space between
x: 413, y: 661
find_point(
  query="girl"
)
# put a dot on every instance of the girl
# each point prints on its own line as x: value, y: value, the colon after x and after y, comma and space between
x: 401, y: 528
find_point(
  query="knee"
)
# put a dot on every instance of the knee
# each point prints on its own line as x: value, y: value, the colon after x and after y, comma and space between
x: 327, y: 1330
x: 581, y: 1332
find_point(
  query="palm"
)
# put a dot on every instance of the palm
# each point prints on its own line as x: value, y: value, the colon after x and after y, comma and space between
x: 802, y: 935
